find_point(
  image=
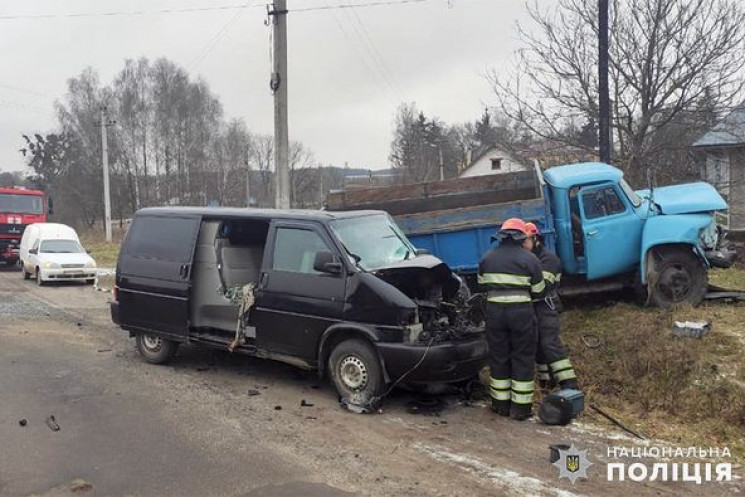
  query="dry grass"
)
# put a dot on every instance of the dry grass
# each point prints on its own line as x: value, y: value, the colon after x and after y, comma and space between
x: 733, y: 278
x: 684, y: 390
x: 103, y: 252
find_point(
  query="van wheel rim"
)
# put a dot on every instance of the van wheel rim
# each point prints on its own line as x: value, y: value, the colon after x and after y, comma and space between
x: 152, y: 343
x: 353, y: 373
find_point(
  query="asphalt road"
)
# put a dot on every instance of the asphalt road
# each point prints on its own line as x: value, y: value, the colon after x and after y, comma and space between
x: 191, y: 428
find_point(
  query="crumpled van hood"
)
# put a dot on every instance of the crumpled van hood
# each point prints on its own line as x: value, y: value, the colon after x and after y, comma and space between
x: 687, y: 198
x: 419, y: 274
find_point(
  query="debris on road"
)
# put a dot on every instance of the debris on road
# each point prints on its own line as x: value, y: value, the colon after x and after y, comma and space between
x: 691, y: 329
x: 616, y: 422
x: 104, y: 350
x: 277, y: 408
x: 554, y: 451
x: 251, y: 392
x: 426, y: 406
x: 303, y: 403
x: 23, y: 422
x: 52, y: 423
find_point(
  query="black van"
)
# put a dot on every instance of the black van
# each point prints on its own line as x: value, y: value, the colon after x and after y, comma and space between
x: 344, y: 292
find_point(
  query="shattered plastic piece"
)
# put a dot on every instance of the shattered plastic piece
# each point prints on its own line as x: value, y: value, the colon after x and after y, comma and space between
x: 22, y: 422
x: 359, y: 403
x: 277, y: 408
x: 303, y: 403
x: 692, y: 329
x: 52, y: 423
x: 251, y: 392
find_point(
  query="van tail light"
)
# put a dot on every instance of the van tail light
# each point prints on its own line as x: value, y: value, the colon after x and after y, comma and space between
x: 115, y: 293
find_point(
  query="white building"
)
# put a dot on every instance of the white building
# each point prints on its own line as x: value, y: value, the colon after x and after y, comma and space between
x: 493, y: 160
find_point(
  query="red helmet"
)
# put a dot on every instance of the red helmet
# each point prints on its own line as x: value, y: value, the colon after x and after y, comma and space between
x: 532, y: 230
x: 513, y: 228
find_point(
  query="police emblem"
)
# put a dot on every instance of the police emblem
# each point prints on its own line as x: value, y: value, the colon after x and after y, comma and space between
x: 572, y: 463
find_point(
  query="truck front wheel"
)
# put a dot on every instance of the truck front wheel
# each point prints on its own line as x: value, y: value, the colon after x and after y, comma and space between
x: 679, y: 276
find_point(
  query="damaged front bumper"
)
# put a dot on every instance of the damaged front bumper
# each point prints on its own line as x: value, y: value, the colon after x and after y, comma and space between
x: 723, y: 255
x: 444, y: 362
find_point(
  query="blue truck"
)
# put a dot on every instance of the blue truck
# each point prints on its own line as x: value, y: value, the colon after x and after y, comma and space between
x: 659, y: 241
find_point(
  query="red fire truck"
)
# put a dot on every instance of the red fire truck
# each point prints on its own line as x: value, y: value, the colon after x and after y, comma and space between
x: 19, y: 207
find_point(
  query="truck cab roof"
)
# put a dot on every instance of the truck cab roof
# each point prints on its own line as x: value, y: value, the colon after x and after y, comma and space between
x: 574, y: 174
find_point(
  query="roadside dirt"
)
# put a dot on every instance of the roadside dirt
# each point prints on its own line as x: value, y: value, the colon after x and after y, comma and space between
x: 465, y: 450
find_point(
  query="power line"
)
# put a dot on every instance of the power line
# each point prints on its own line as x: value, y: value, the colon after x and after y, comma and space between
x: 377, y: 58
x: 25, y: 90
x: 369, y: 69
x: 15, y: 17
x: 355, y: 5
x: 12, y: 17
x: 205, y: 51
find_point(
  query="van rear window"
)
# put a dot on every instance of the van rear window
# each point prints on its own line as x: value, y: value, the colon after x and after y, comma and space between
x: 165, y: 239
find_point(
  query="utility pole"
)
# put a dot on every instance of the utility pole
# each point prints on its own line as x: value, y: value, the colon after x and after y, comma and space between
x: 105, y: 153
x: 603, y: 91
x: 248, y: 181
x: 442, y: 164
x: 278, y: 85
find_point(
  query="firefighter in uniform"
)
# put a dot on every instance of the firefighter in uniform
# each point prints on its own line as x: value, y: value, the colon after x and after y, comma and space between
x: 513, y: 278
x: 552, y: 361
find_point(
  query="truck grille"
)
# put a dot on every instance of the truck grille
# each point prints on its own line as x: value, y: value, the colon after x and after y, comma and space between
x: 72, y: 266
x: 14, y: 230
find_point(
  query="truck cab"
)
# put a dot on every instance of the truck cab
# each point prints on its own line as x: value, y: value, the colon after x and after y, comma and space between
x: 661, y: 240
x: 19, y: 207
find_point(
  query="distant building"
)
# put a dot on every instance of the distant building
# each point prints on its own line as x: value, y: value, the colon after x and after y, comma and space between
x: 493, y: 160
x: 722, y: 151
x: 550, y: 153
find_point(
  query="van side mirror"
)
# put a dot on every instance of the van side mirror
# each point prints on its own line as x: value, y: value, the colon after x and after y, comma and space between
x: 326, y: 262
x: 421, y: 251
x: 33, y: 251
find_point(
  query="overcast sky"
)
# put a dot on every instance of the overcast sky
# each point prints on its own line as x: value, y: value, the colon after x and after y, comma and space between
x: 348, y: 69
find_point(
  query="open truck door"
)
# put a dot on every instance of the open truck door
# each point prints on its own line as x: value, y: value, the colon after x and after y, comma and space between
x: 611, y: 231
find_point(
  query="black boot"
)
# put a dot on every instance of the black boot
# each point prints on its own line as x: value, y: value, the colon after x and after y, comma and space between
x: 521, y: 412
x: 501, y: 407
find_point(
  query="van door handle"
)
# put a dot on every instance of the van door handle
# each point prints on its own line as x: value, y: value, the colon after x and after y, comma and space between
x: 592, y: 232
x: 184, y: 272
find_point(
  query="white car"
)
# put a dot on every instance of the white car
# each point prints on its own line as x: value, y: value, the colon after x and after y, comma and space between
x: 52, y: 252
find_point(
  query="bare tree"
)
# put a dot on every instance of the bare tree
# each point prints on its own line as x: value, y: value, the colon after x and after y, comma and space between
x: 671, y: 63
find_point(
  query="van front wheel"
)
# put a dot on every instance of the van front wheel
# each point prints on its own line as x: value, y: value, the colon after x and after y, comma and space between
x: 356, y: 372
x: 154, y: 349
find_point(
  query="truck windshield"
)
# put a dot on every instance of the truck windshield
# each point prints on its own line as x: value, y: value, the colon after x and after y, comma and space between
x: 12, y: 203
x: 633, y: 197
x: 60, y: 247
x: 375, y: 240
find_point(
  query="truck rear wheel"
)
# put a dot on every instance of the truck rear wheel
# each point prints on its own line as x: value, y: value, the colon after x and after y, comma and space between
x: 154, y: 349
x: 356, y: 371
x: 679, y: 277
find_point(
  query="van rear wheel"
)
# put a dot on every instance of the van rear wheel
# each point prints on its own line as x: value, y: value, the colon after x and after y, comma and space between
x: 25, y: 273
x: 154, y: 349
x: 356, y: 371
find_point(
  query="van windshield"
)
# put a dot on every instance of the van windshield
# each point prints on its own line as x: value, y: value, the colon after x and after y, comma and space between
x: 60, y: 247
x: 375, y: 240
